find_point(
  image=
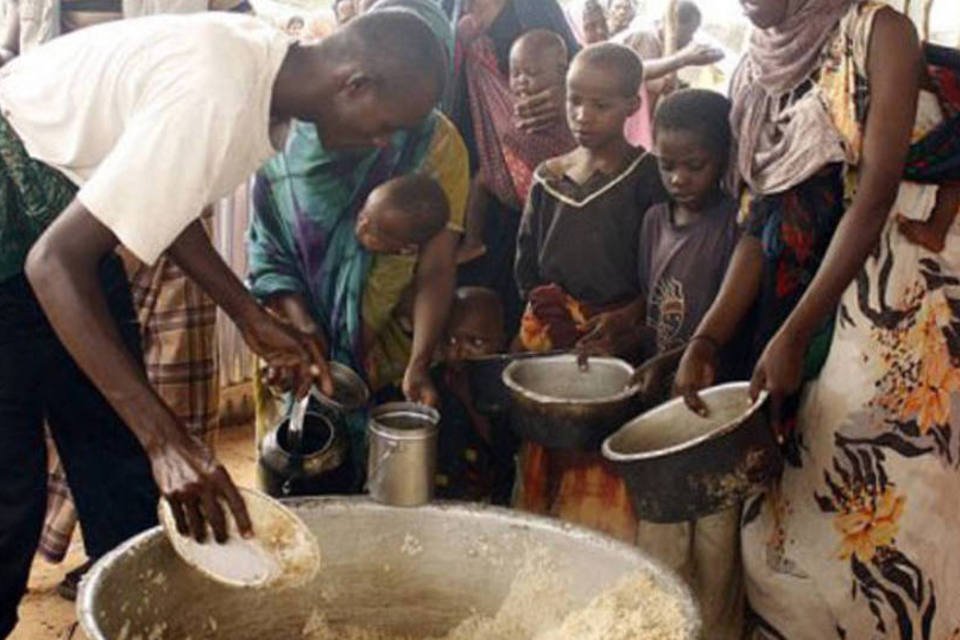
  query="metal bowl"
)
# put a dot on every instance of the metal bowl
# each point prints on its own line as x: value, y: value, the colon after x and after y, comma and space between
x: 490, y: 395
x: 350, y: 392
x: 416, y: 572
x: 680, y: 466
x: 560, y: 405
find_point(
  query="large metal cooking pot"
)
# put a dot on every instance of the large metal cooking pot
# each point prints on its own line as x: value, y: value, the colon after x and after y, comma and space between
x: 680, y: 466
x: 561, y: 405
x: 410, y: 571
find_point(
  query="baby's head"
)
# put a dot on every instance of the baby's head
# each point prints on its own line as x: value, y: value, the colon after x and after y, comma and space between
x: 692, y: 141
x: 344, y: 11
x: 475, y: 328
x: 538, y: 61
x: 602, y: 87
x: 402, y: 215
x: 595, y: 27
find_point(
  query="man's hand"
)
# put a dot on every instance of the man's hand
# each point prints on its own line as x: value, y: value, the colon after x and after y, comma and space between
x: 194, y: 484
x: 294, y: 355
x: 418, y: 387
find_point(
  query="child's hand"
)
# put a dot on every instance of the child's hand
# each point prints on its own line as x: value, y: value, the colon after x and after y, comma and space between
x: 418, y: 387
x: 698, y: 55
x: 609, y: 334
x: 697, y: 371
x: 653, y: 378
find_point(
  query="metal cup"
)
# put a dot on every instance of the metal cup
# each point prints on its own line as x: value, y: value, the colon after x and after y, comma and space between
x: 402, y: 460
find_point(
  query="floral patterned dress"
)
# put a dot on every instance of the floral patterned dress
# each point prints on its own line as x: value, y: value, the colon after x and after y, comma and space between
x: 858, y: 539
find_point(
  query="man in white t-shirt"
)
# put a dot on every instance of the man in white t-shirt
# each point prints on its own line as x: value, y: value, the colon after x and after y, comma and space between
x: 121, y: 134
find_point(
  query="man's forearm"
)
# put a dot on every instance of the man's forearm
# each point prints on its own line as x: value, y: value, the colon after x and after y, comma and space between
x: 64, y: 277
x: 196, y: 256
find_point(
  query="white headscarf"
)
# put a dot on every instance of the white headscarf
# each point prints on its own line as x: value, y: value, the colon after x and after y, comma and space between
x: 784, y: 139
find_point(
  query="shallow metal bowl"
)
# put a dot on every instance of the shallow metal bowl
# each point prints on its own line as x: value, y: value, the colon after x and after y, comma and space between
x: 490, y: 395
x: 680, y: 466
x: 407, y: 571
x: 560, y: 405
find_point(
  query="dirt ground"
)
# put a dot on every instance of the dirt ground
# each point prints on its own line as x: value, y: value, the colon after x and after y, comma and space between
x: 44, y: 615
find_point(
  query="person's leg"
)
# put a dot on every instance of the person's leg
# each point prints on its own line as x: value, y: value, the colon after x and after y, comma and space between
x: 22, y: 447
x: 109, y: 473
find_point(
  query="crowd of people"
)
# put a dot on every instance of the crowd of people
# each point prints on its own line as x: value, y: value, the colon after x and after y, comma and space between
x: 437, y: 181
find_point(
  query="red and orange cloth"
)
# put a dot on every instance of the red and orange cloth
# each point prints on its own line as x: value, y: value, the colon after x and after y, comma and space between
x: 578, y: 487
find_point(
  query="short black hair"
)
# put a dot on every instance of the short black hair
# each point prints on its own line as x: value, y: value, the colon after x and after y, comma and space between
x: 421, y: 201
x: 617, y: 59
x: 689, y: 13
x: 706, y: 114
x: 398, y: 47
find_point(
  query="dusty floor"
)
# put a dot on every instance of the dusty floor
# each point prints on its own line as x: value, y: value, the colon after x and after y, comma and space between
x: 44, y: 615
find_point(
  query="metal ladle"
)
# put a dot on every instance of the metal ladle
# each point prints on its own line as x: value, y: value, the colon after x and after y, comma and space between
x: 295, y: 429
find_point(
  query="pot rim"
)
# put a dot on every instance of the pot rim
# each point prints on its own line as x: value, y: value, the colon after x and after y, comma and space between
x: 431, y: 417
x: 309, y: 457
x: 515, y: 387
x: 90, y: 583
x: 719, y: 431
x: 520, y: 355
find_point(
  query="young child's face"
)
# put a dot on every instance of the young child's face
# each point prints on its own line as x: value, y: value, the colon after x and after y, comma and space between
x: 689, y: 171
x: 597, y: 106
x: 622, y: 13
x: 595, y: 29
x: 532, y: 72
x: 381, y: 229
x: 473, y: 335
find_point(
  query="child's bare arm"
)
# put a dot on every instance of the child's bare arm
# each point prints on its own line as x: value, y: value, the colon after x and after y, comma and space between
x: 472, y: 246
x: 932, y: 233
x: 436, y: 280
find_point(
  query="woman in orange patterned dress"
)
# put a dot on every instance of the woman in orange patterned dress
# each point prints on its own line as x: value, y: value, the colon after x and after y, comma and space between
x: 845, y: 146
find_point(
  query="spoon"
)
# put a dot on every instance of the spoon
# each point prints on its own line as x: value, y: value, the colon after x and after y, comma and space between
x: 295, y: 431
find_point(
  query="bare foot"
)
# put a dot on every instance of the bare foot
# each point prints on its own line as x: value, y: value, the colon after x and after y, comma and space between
x: 469, y: 253
x: 922, y: 234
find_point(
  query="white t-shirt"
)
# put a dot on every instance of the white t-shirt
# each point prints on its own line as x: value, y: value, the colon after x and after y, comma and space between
x: 153, y: 118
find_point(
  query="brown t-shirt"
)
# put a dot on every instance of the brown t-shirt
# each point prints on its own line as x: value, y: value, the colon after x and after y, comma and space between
x: 585, y: 237
x: 681, y: 268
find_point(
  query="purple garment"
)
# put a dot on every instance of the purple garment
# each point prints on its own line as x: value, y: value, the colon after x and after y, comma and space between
x: 681, y: 268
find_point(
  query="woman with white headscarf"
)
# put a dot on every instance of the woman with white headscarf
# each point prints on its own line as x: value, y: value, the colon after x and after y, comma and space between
x: 847, y: 147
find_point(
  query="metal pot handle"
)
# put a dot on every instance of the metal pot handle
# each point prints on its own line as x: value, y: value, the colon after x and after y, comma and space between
x: 389, y: 448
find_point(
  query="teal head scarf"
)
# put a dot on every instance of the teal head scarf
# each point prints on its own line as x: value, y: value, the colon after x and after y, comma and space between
x: 302, y: 239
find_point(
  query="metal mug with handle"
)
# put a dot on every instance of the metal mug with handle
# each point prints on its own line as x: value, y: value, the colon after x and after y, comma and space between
x: 402, y: 459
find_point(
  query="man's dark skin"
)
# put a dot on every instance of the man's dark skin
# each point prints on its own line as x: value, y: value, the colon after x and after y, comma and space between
x: 335, y: 84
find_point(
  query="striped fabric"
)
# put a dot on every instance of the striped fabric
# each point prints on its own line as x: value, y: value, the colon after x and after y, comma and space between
x: 177, y: 326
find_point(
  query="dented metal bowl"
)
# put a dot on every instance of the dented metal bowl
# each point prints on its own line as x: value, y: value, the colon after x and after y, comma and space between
x: 680, y: 466
x: 561, y: 405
